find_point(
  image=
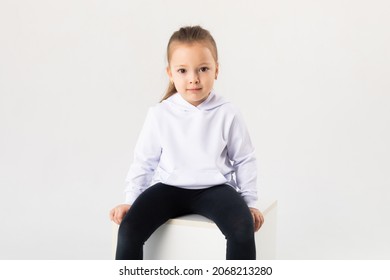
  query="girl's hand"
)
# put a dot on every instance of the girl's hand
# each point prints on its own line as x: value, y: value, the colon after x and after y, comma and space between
x: 258, y: 218
x: 119, y: 212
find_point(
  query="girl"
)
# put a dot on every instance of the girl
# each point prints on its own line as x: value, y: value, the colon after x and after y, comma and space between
x: 193, y: 156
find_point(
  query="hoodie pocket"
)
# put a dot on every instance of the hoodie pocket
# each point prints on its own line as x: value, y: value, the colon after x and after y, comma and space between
x: 196, y: 178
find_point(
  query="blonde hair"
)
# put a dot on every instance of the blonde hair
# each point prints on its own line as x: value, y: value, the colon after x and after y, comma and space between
x: 189, y: 35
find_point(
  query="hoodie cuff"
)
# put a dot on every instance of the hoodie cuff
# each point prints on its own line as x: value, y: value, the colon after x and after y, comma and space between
x: 250, y: 201
x: 130, y: 198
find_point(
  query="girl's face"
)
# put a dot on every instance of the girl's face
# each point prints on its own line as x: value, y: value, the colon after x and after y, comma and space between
x: 192, y: 69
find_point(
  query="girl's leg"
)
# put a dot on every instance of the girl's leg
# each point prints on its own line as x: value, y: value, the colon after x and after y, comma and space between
x: 152, y: 208
x: 223, y: 205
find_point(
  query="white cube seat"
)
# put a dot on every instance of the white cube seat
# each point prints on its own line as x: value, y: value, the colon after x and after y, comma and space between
x: 194, y: 237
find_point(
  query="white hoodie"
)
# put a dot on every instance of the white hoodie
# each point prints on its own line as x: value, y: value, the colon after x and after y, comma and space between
x: 193, y: 147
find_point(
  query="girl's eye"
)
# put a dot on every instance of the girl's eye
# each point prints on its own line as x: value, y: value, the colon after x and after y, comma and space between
x: 204, y: 69
x: 181, y: 71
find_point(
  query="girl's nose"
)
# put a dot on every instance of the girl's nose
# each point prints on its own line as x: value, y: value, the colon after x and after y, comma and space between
x: 194, y: 79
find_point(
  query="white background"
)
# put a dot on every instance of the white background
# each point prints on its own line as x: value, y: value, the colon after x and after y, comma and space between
x: 311, y: 77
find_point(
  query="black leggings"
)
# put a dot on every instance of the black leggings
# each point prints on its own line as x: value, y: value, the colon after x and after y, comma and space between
x: 159, y: 203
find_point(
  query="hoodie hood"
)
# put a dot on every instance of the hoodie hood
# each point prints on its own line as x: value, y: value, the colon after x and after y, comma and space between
x: 213, y: 101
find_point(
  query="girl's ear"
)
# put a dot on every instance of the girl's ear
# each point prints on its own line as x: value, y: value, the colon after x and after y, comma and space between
x: 216, y: 71
x: 169, y: 72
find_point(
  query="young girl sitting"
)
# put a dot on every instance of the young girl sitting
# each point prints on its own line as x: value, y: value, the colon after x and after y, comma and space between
x: 193, y: 156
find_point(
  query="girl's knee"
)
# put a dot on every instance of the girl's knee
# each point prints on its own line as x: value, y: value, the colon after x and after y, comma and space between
x: 242, y: 231
x: 127, y: 231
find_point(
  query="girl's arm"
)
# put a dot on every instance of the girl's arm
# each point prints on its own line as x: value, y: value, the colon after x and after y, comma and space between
x: 146, y: 158
x: 242, y: 153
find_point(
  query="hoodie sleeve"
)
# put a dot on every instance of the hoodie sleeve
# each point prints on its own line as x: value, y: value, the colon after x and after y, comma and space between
x: 242, y: 154
x: 146, y: 157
